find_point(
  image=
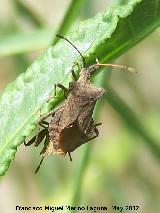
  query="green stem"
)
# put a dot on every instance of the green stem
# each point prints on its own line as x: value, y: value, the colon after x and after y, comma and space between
x: 131, y: 120
x: 69, y: 17
x: 80, y: 176
x: 20, y: 60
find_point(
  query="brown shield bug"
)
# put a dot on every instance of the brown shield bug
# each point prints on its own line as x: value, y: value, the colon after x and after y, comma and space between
x: 72, y: 124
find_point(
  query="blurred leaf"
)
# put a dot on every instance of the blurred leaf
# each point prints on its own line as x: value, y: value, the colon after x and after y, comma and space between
x: 89, y: 10
x: 21, y: 42
x: 22, y: 99
x: 133, y: 123
x: 20, y: 62
x: 69, y: 17
x: 27, y: 12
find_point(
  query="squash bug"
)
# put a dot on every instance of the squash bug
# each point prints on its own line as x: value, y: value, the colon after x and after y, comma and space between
x: 72, y: 124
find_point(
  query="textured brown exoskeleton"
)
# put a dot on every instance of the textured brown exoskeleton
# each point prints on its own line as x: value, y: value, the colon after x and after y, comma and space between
x: 72, y: 124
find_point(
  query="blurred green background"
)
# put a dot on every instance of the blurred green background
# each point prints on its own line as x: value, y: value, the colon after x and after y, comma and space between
x: 119, y: 169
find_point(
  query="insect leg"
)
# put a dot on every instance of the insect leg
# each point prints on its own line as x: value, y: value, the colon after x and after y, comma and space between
x: 45, y: 144
x: 44, y: 117
x: 97, y: 124
x: 36, y: 139
x: 43, y: 150
x: 43, y: 123
x: 74, y: 75
x: 39, y: 138
x: 95, y: 136
x: 30, y: 142
x: 39, y: 165
x: 73, y: 72
x: 65, y: 90
x: 97, y: 133
x: 69, y: 154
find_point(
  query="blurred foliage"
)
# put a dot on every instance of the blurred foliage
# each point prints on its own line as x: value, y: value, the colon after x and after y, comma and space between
x: 121, y: 168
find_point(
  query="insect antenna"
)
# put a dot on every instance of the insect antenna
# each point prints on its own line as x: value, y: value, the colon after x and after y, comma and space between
x: 116, y: 66
x: 83, y: 59
x: 39, y: 165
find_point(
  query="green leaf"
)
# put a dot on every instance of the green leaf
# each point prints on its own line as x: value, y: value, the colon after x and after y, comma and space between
x: 21, y: 42
x: 26, y: 11
x: 108, y: 34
